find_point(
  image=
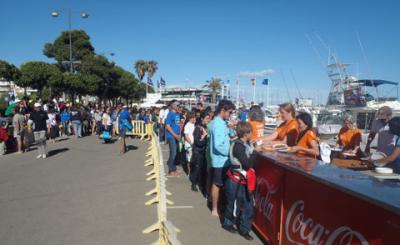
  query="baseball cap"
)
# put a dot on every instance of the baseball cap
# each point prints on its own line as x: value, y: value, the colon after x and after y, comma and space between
x: 37, y: 104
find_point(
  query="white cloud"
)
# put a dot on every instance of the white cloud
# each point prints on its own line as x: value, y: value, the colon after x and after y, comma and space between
x: 254, y: 74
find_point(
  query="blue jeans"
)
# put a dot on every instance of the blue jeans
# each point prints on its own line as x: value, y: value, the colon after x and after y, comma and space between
x: 243, y: 213
x: 77, y: 125
x: 172, y: 143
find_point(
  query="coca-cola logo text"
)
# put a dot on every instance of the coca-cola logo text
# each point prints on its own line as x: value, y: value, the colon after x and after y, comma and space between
x: 301, y: 230
x: 263, y: 196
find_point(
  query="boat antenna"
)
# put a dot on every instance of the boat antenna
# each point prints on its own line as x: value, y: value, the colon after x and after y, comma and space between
x: 315, y: 50
x: 366, y: 60
x: 295, y: 83
x: 286, y: 87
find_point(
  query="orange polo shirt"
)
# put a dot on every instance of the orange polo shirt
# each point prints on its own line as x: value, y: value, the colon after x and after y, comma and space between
x: 306, y: 140
x: 290, y: 130
x: 257, y: 130
x: 350, y: 138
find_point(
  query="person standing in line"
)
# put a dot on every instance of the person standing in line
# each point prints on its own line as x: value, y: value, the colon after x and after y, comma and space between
x: 53, y: 125
x: 162, y: 120
x: 124, y: 121
x: 114, y: 116
x: 107, y: 124
x: 76, y: 120
x: 18, y: 122
x: 188, y: 134
x: 161, y: 124
x: 65, y: 118
x: 219, y: 149
x: 172, y: 134
x: 198, y: 169
x: 40, y: 120
x: 240, y: 185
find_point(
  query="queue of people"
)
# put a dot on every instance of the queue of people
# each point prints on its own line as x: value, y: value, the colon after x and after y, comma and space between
x: 220, y: 150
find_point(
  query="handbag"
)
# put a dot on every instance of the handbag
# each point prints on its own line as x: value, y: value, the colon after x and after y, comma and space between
x: 106, y: 135
x: 127, y: 124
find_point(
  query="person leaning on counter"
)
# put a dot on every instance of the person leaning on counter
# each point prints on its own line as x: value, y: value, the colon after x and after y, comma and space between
x: 349, y: 136
x: 307, y: 142
x: 288, y: 131
x: 392, y: 161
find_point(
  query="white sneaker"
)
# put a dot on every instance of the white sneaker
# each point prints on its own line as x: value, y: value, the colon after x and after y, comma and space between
x: 44, y: 156
x: 38, y: 156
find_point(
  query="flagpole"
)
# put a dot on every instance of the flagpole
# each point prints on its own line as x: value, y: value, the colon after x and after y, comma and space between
x: 267, y: 94
x: 237, y: 95
x: 254, y: 91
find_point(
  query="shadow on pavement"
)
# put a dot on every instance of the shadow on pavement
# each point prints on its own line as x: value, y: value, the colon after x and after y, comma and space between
x: 131, y: 148
x: 57, y: 151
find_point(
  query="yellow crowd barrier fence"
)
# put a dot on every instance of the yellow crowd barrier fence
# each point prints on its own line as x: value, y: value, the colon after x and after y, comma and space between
x: 166, y: 230
x: 139, y: 129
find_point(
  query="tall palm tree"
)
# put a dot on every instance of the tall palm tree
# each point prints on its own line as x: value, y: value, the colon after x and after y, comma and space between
x: 141, y: 69
x: 152, y: 67
x: 215, y: 85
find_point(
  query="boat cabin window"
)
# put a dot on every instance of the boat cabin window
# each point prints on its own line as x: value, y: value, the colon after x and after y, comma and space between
x: 365, y: 119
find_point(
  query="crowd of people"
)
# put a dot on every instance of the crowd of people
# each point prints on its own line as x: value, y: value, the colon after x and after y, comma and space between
x: 36, y: 122
x: 217, y: 149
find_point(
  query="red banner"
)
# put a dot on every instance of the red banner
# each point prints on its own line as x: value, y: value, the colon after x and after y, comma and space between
x: 314, y: 213
x: 268, y: 198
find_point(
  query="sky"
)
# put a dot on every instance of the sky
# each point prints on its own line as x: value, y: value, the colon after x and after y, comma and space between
x: 195, y: 40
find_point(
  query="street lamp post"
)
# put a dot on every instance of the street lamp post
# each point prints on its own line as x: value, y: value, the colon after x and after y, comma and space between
x: 83, y: 15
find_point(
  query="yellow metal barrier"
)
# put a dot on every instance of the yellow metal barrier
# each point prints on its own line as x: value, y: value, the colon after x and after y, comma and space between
x: 166, y: 230
x: 139, y: 129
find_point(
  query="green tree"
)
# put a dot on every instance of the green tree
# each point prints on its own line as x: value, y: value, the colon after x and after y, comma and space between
x: 141, y: 67
x: 102, y: 74
x: 59, y: 49
x: 9, y: 71
x: 152, y: 67
x: 214, y: 85
x: 38, y: 75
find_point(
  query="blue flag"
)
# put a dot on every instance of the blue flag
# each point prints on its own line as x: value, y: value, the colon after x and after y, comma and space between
x: 149, y: 82
x: 162, y: 82
x: 265, y: 82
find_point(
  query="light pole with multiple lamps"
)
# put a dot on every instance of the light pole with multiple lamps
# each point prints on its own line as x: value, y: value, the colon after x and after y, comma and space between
x: 83, y: 15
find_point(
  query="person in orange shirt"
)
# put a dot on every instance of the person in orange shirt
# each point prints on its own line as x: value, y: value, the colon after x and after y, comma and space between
x: 288, y: 131
x: 349, y: 136
x: 257, y: 122
x: 307, y: 143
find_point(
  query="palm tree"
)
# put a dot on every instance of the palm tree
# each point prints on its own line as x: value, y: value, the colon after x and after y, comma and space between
x: 152, y: 67
x: 215, y: 85
x: 141, y: 69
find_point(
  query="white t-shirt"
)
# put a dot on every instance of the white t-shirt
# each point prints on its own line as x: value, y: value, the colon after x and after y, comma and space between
x: 106, y: 119
x: 189, y: 129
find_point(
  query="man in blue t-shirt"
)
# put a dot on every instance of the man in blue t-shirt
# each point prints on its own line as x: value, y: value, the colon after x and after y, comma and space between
x: 172, y: 134
x: 124, y: 124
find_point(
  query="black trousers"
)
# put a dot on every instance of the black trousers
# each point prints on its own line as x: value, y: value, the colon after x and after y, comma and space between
x: 198, y: 170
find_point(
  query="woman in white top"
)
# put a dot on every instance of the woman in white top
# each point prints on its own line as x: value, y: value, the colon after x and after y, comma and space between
x: 188, y: 132
x: 53, y: 125
x: 106, y: 122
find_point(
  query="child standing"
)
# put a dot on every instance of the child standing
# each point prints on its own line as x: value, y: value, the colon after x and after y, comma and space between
x: 239, y: 186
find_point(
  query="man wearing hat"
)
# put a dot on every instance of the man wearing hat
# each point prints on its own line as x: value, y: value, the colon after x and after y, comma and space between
x: 380, y: 126
x: 40, y: 122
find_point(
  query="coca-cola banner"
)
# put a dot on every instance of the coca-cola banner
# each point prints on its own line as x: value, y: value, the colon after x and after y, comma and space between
x: 315, y: 213
x: 268, y: 199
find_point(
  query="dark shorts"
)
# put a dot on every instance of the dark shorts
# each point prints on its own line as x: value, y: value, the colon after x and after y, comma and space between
x: 218, y: 176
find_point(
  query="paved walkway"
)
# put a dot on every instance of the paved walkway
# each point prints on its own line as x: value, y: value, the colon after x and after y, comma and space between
x: 84, y: 194
x: 191, y: 215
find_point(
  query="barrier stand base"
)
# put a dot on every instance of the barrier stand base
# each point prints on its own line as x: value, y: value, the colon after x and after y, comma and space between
x: 152, y: 192
x: 154, y: 227
x: 152, y: 201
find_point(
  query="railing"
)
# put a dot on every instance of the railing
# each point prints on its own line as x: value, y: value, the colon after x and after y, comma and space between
x: 167, y: 231
x: 139, y: 129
